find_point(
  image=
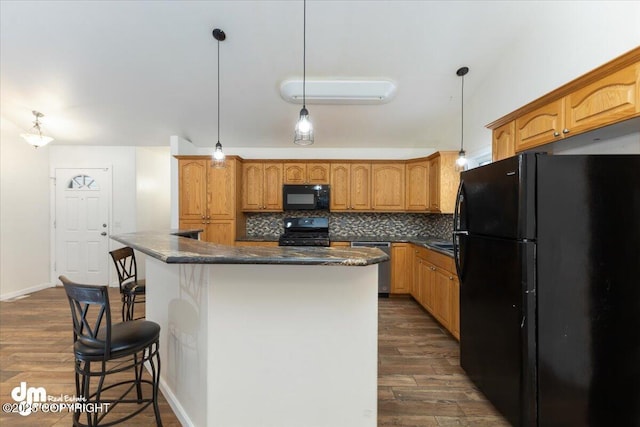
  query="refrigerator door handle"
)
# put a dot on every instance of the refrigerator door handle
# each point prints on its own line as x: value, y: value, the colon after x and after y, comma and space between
x: 456, y: 228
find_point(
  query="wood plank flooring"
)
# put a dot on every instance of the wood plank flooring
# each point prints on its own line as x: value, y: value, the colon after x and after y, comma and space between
x: 420, y: 382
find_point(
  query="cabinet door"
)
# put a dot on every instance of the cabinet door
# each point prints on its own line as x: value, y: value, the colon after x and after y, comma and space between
x: 340, y: 244
x: 442, y: 296
x: 222, y: 232
x: 360, y: 186
x: 400, y: 268
x: 295, y: 173
x: 318, y: 173
x: 193, y: 188
x: 417, y: 186
x: 606, y: 101
x: 504, y: 141
x: 455, y: 307
x: 387, y: 186
x: 425, y: 279
x: 340, y: 178
x: 252, y: 186
x: 273, y: 187
x: 540, y: 126
x: 434, y: 184
x: 221, y: 191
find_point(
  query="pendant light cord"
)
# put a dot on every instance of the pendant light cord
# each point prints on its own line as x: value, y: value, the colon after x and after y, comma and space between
x: 462, y: 115
x: 218, y: 90
x: 304, y: 54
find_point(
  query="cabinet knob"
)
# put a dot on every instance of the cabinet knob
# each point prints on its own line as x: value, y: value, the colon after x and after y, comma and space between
x: 202, y: 216
x: 556, y: 134
x: 450, y: 277
x: 433, y: 268
x: 565, y: 131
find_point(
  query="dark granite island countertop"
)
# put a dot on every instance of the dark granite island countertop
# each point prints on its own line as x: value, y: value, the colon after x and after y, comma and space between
x: 172, y: 249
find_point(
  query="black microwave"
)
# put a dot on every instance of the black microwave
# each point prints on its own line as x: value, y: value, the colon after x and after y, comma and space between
x: 305, y: 197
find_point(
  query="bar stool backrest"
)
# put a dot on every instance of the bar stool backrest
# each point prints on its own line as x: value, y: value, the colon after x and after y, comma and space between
x: 125, y: 261
x: 91, y: 316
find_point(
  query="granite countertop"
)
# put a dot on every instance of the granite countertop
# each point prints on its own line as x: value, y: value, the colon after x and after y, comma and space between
x: 170, y: 248
x: 430, y: 242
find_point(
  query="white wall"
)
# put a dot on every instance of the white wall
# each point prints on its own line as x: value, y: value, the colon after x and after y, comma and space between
x: 24, y: 213
x: 575, y: 38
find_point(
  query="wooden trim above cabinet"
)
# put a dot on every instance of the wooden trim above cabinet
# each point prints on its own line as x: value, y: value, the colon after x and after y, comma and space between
x: 625, y: 60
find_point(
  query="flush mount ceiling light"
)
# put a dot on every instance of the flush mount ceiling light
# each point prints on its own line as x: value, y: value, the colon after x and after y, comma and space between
x: 218, y: 154
x: 338, y: 91
x: 461, y: 161
x: 304, y: 127
x: 35, y: 136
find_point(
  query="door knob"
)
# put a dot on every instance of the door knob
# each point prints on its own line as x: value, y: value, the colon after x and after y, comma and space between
x: 104, y: 233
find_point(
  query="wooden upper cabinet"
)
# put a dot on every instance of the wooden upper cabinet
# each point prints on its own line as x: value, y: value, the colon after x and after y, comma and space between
x: 434, y: 184
x: 252, y: 186
x: 607, y: 95
x: 417, y: 186
x: 273, y: 186
x: 306, y: 173
x: 340, y: 178
x: 360, y: 191
x: 387, y: 183
x: 504, y: 144
x: 350, y: 186
x: 295, y: 173
x: 262, y: 186
x: 443, y: 181
x: 318, y: 173
x: 606, y: 101
x: 221, y: 191
x: 192, y: 188
x: 540, y: 126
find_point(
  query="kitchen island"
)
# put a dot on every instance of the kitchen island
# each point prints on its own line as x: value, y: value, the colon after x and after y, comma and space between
x: 264, y: 336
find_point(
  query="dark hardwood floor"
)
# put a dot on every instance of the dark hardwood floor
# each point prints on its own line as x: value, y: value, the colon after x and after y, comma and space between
x: 420, y: 380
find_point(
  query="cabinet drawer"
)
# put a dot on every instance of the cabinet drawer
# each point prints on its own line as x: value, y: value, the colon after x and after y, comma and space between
x: 440, y: 260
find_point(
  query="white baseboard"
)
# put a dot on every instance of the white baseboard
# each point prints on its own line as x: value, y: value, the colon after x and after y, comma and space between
x: 175, y: 405
x: 26, y: 291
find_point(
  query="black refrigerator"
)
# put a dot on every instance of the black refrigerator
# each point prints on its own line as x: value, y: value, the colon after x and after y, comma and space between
x: 547, y: 250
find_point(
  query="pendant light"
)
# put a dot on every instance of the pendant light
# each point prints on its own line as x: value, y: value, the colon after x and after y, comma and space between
x: 218, y: 154
x: 461, y: 161
x: 304, y: 127
x: 35, y: 136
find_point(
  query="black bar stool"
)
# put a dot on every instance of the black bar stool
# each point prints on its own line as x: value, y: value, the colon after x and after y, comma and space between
x: 132, y: 289
x: 102, y: 348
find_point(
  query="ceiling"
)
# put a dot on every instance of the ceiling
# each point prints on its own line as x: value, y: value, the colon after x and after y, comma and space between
x: 136, y: 72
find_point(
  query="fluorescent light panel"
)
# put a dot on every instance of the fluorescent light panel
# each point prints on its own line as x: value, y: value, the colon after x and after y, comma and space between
x: 339, y: 91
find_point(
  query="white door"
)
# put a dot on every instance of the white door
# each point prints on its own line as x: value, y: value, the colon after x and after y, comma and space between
x: 82, y: 205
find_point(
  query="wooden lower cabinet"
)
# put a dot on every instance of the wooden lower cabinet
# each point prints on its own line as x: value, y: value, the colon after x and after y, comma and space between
x: 263, y: 244
x: 218, y: 231
x: 400, y: 268
x: 436, y: 287
x: 455, y: 308
x: 340, y: 244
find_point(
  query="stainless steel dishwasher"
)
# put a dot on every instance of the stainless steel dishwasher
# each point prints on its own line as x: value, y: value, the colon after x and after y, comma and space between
x: 384, y: 268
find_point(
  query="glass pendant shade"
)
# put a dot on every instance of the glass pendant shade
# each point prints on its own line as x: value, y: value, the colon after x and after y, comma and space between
x: 34, y: 136
x: 218, y: 156
x: 36, y: 139
x: 304, y: 129
x: 461, y: 161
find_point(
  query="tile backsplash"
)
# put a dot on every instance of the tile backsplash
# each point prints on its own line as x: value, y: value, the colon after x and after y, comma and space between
x: 359, y: 224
